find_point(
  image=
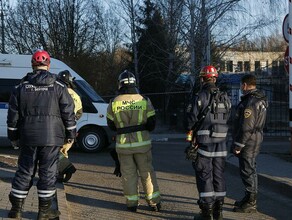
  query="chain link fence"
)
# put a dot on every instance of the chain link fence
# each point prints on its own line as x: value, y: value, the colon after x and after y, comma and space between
x: 171, y: 107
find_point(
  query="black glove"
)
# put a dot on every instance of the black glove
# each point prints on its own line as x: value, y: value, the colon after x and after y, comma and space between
x: 191, y: 152
x: 117, y: 170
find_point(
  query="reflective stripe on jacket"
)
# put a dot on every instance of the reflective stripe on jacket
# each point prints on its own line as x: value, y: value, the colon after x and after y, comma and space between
x: 128, y: 110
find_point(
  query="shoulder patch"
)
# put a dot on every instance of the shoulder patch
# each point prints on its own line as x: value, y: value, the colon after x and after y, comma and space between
x: 247, y: 113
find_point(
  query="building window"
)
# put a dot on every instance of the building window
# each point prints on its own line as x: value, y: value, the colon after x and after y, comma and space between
x: 230, y: 66
x: 222, y: 66
x: 246, y: 66
x: 257, y: 66
x: 275, y: 69
x: 239, y: 67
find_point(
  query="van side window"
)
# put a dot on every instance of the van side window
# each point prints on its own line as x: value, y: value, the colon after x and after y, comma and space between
x: 6, y: 86
x: 86, y: 89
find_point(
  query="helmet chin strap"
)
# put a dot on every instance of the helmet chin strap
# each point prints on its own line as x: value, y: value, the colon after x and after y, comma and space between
x: 40, y: 68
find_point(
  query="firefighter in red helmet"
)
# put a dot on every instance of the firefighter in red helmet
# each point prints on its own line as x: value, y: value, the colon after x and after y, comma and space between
x: 40, y: 117
x: 207, y: 116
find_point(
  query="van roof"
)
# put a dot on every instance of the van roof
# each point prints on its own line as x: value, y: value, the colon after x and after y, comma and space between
x: 16, y: 66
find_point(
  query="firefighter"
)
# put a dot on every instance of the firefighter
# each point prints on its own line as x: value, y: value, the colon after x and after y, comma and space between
x: 248, y: 127
x: 132, y: 116
x: 210, y: 139
x: 66, y: 77
x: 40, y: 117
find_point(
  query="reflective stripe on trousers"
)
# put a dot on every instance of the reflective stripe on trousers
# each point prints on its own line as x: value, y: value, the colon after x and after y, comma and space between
x: 131, y: 164
x: 47, y: 160
x: 210, y: 178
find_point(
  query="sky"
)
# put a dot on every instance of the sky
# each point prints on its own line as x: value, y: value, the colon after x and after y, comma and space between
x: 252, y: 11
x: 255, y: 9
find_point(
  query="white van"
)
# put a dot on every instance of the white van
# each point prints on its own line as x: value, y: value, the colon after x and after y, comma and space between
x: 93, y: 132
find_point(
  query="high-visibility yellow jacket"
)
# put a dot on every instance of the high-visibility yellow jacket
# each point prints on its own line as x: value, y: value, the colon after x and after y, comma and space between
x: 128, y: 110
x: 77, y: 103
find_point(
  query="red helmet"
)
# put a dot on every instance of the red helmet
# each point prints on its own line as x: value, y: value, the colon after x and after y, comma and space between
x: 40, y: 58
x: 208, y: 72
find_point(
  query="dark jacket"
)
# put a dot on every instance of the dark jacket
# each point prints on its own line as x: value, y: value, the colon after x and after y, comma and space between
x: 41, y: 111
x: 199, y: 103
x: 213, y: 128
x: 249, y: 122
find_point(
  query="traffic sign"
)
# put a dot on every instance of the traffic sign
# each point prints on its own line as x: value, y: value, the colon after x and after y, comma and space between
x: 285, y: 28
x: 286, y: 60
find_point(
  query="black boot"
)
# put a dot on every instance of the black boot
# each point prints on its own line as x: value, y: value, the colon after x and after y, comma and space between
x: 206, y: 212
x: 132, y: 208
x: 247, y: 205
x: 217, y: 210
x: 243, y: 200
x: 16, y: 209
x: 45, y: 210
x: 155, y: 207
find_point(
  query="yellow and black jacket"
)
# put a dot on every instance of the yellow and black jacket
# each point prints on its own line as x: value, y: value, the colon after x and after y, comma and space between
x: 132, y: 116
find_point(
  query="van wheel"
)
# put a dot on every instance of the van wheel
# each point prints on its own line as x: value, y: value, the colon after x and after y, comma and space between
x: 91, y: 140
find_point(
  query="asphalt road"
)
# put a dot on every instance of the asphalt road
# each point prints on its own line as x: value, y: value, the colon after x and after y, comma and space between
x: 95, y: 193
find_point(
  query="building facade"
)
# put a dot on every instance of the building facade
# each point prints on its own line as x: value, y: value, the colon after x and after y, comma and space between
x: 250, y: 61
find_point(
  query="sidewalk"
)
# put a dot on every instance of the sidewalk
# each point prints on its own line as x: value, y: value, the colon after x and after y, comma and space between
x: 273, y: 171
x: 31, y: 203
x: 272, y: 168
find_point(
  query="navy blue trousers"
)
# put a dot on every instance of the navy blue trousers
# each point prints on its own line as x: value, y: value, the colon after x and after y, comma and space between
x: 210, y: 179
x: 32, y: 159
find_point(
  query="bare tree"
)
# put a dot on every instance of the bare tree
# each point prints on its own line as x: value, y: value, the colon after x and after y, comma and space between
x: 129, y: 7
x: 112, y: 58
x: 172, y: 14
x: 66, y: 28
x: 216, y: 22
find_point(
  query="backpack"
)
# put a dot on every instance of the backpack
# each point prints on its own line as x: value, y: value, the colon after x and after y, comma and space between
x: 219, y: 114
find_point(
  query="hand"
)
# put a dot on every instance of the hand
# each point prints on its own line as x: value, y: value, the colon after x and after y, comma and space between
x: 237, y: 150
x: 195, y: 144
x: 66, y: 147
x: 117, y: 171
x: 15, y: 144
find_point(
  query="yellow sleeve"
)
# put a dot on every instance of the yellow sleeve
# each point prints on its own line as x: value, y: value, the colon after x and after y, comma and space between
x: 150, y: 108
x: 76, y: 99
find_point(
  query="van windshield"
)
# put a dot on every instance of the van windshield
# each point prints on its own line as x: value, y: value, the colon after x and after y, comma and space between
x: 86, y: 90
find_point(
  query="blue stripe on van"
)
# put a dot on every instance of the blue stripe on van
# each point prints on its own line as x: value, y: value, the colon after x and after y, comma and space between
x: 3, y: 105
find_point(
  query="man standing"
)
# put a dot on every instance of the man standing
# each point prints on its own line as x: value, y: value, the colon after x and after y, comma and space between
x: 133, y: 117
x: 248, y: 127
x: 66, y: 77
x: 212, y: 108
x: 40, y: 117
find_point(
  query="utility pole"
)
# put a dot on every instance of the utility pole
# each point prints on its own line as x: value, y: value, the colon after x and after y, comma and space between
x: 2, y: 26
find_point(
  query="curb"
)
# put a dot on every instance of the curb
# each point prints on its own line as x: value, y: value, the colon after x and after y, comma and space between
x: 274, y: 184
